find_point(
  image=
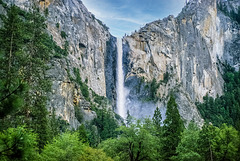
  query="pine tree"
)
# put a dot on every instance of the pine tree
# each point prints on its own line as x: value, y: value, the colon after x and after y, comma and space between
x: 82, y: 134
x: 54, y: 125
x: 37, y: 56
x: 12, y: 84
x: 172, y: 129
x: 129, y: 119
x: 205, y: 142
x: 157, y: 121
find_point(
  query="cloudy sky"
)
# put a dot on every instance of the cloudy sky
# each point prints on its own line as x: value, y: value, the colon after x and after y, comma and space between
x: 125, y: 16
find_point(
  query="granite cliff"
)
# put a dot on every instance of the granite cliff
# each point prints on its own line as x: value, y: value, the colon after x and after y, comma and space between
x: 91, y: 58
x: 183, y: 55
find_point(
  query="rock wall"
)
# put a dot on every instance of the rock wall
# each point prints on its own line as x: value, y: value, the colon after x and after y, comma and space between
x: 92, y: 51
x: 184, y: 54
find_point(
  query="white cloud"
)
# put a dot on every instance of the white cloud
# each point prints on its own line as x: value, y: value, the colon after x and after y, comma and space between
x: 126, y: 16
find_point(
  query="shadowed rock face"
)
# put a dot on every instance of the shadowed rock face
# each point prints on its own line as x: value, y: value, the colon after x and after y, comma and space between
x: 190, y: 49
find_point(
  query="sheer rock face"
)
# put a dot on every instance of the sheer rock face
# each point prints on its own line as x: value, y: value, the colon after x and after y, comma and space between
x: 190, y: 48
x: 92, y: 50
x: 183, y: 53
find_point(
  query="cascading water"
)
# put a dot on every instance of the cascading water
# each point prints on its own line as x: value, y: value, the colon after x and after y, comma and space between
x: 121, y: 98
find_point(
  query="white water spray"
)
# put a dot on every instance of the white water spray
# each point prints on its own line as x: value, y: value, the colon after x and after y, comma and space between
x: 121, y: 98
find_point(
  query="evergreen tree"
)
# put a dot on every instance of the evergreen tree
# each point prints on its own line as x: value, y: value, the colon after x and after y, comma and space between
x: 40, y: 122
x: 105, y: 123
x: 205, y: 142
x: 36, y: 58
x: 172, y: 128
x: 129, y: 119
x: 12, y: 85
x: 23, y: 85
x: 157, y: 121
x: 82, y: 134
x: 54, y: 125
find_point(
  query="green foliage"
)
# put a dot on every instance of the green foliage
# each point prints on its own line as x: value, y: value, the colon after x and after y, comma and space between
x: 69, y: 75
x: 105, y: 123
x: 90, y: 154
x: 40, y: 122
x: 157, y: 120
x: 25, y: 49
x: 83, y: 86
x: 92, y: 134
x: 99, y: 99
x: 134, y: 144
x: 205, y: 142
x: 85, y: 92
x: 224, y: 109
x: 232, y: 14
x: 83, y: 134
x: 58, y: 52
x: 57, y: 25
x: 64, y: 147
x: 153, y: 87
x: 172, y: 129
x: 46, y: 12
x: 78, y: 113
x: 11, y: 82
x: 54, y: 125
x: 63, y: 125
x: 63, y: 35
x: 187, y: 148
x: 226, y: 143
x: 66, y: 46
x: 166, y: 77
x: 129, y: 119
x: 17, y: 144
x: 3, y: 4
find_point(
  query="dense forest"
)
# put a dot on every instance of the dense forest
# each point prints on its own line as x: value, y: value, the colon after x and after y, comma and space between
x: 29, y: 132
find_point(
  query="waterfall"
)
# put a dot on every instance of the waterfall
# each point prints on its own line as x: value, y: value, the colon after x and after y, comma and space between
x: 121, y: 98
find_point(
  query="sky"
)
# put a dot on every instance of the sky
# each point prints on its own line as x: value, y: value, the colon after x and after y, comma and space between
x: 126, y: 16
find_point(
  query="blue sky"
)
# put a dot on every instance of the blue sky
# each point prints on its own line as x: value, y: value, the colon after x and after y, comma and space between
x: 126, y: 16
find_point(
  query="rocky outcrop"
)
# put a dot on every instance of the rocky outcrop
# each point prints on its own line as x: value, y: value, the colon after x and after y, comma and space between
x: 183, y: 55
x: 92, y: 53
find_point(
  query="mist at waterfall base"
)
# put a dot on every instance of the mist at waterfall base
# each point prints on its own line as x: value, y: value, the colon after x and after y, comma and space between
x: 137, y: 108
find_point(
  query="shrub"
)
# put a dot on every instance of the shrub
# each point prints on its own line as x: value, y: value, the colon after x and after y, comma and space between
x: 63, y: 35
x: 57, y: 25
